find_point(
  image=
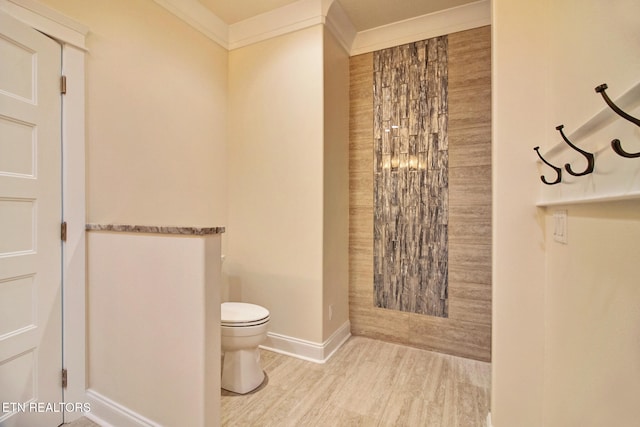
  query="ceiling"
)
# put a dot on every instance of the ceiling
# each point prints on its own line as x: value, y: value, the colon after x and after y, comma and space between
x: 364, y: 14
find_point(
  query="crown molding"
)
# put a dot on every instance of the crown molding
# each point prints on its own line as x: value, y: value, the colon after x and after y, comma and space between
x: 199, y: 17
x: 306, y: 13
x: 286, y: 19
x: 340, y: 26
x: 292, y: 17
x: 423, y: 27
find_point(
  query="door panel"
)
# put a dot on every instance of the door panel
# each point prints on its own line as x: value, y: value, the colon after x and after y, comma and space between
x: 30, y: 216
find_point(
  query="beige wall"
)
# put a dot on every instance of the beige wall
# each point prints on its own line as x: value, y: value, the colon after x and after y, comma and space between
x: 336, y: 189
x: 565, y: 348
x: 156, y: 116
x: 275, y: 227
x: 288, y: 172
x: 519, y: 88
x: 592, y: 346
x: 592, y: 350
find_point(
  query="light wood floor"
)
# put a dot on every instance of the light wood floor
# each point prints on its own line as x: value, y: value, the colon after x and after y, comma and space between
x: 366, y: 383
x: 82, y: 422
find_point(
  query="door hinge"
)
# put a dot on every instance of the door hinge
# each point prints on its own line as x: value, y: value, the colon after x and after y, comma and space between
x: 63, y: 85
x: 64, y: 378
x: 63, y: 231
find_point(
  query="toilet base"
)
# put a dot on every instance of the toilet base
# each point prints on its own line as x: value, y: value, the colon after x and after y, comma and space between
x: 241, y: 370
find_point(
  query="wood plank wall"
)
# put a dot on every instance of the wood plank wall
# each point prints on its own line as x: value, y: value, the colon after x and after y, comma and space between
x: 467, y: 330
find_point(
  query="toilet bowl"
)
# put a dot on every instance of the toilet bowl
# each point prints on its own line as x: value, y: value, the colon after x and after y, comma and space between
x: 243, y: 328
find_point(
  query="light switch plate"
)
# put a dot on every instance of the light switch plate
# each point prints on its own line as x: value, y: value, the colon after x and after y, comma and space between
x: 560, y: 226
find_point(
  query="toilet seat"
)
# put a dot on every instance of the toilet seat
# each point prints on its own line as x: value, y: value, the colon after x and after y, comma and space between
x: 241, y: 314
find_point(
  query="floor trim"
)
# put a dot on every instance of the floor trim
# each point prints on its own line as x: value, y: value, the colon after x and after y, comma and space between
x: 109, y: 413
x: 308, y: 350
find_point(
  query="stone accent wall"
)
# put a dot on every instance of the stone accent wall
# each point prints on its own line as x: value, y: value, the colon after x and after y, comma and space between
x: 411, y: 177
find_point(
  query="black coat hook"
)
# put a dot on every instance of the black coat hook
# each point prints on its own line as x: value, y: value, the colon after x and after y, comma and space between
x: 617, y: 147
x: 615, y: 144
x: 590, y: 158
x: 557, y: 169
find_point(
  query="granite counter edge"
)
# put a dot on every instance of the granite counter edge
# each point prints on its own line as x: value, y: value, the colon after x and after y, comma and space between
x: 185, y: 231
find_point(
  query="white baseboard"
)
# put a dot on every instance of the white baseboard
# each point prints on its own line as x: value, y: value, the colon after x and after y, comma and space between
x: 109, y: 413
x: 308, y: 350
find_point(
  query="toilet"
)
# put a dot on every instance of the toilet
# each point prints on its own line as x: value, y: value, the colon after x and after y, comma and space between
x: 244, y: 327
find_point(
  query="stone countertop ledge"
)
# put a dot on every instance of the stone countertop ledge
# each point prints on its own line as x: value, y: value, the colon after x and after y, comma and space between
x: 190, y: 231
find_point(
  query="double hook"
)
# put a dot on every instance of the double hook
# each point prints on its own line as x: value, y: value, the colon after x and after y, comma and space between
x: 590, y: 158
x: 590, y: 161
x: 615, y: 144
x: 557, y: 169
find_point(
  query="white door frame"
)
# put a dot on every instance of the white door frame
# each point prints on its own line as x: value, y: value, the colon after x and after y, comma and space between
x: 71, y: 36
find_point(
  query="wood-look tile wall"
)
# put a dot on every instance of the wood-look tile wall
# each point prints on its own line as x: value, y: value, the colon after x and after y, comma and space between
x: 467, y: 330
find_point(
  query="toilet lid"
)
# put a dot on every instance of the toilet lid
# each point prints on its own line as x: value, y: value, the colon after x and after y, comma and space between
x: 242, y: 314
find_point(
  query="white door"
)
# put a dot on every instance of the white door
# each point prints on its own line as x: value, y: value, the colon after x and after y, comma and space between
x: 30, y: 216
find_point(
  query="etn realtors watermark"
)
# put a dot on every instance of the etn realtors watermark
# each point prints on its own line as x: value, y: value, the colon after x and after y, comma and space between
x: 45, y: 407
